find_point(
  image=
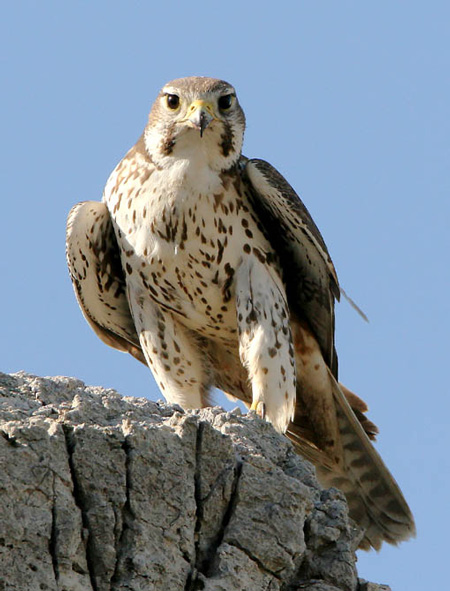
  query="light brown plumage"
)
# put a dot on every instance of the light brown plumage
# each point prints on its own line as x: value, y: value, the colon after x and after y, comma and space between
x: 208, y: 267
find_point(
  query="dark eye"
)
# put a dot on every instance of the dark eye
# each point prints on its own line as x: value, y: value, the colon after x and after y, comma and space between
x: 225, y: 102
x: 173, y: 101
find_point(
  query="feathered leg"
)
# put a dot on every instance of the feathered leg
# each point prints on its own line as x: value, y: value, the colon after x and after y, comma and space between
x: 265, y: 341
x: 173, y: 354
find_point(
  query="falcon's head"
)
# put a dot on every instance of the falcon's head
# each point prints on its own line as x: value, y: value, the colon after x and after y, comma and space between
x: 196, y: 119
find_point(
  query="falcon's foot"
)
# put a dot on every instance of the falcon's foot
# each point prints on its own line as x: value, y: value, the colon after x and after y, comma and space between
x: 260, y: 408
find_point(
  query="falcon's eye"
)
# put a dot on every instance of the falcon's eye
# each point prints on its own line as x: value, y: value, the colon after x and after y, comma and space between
x: 225, y: 102
x: 173, y: 101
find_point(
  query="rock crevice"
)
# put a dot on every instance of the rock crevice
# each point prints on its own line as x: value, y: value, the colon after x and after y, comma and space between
x: 104, y: 493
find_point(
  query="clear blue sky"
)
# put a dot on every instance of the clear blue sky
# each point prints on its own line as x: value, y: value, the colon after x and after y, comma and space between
x: 349, y: 100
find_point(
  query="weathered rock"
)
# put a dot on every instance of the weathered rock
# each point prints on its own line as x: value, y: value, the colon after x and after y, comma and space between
x: 100, y: 492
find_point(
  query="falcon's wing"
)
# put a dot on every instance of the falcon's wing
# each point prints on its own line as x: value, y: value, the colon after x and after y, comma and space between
x: 329, y: 427
x: 309, y: 274
x: 94, y: 264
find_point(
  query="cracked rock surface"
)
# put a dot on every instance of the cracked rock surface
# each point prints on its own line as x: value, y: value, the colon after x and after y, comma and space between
x: 100, y: 492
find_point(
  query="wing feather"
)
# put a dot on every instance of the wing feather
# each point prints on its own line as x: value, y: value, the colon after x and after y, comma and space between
x: 309, y: 274
x: 95, y: 269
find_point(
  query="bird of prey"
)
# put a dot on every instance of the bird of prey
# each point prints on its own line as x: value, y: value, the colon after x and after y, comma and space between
x: 207, y: 267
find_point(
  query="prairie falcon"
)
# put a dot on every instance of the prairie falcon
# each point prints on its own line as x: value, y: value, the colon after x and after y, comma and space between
x: 207, y: 267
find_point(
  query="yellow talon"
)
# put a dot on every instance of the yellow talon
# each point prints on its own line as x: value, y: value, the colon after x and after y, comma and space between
x: 260, y: 408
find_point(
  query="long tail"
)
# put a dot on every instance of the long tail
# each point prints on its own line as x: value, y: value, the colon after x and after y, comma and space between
x: 375, y: 500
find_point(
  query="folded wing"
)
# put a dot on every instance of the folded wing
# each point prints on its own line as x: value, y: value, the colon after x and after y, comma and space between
x: 330, y: 427
x: 309, y: 273
x: 95, y: 269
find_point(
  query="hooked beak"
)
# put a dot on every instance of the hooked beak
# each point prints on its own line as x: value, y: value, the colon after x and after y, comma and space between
x: 200, y: 115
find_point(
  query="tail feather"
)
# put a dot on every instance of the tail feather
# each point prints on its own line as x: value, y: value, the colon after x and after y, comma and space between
x: 375, y: 500
x: 359, y: 407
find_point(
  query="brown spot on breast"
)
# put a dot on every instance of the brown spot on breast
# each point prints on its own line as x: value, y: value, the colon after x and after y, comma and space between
x: 220, y: 252
x: 218, y: 199
x: 117, y: 205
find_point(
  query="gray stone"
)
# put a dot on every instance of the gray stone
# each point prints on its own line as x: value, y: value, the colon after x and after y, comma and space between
x: 100, y: 492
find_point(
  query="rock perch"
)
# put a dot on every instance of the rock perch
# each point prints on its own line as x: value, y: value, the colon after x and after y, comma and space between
x: 100, y: 492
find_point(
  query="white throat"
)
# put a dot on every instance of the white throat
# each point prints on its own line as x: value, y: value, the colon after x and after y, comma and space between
x: 191, y: 158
